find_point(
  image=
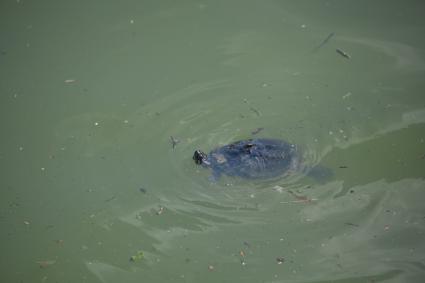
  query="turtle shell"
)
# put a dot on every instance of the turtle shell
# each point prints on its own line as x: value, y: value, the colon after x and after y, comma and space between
x: 254, y: 158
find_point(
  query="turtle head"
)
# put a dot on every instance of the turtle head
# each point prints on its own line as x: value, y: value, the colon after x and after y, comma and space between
x: 200, y: 157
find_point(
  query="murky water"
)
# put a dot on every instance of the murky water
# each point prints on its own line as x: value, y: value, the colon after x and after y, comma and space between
x: 92, y: 189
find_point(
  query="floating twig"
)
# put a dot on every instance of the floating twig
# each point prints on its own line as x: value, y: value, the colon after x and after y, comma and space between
x: 343, y: 54
x: 326, y: 40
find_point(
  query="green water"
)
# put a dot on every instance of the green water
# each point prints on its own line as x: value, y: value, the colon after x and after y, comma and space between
x: 91, y: 91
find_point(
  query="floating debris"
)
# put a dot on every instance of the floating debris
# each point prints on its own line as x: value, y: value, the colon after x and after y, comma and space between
x: 351, y: 224
x: 256, y: 131
x: 255, y: 111
x: 299, y: 198
x: 278, y: 189
x: 343, y: 167
x: 111, y: 198
x: 210, y: 267
x: 299, y: 201
x: 26, y: 223
x: 347, y: 95
x: 138, y: 256
x: 45, y: 263
x: 174, y: 141
x: 280, y: 260
x: 343, y: 54
x: 326, y: 40
x: 160, y: 210
x: 142, y: 190
x: 70, y: 81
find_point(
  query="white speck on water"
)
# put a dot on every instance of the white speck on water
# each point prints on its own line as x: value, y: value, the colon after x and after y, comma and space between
x: 347, y: 95
x: 278, y: 189
x: 42, y: 168
x: 125, y: 121
x: 96, y: 123
x: 131, y: 21
x: 21, y: 148
x: 331, y: 133
x: 303, y: 26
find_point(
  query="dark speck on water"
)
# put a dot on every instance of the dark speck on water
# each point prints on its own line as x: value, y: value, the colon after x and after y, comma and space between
x: 143, y: 190
x: 111, y: 198
x: 351, y: 224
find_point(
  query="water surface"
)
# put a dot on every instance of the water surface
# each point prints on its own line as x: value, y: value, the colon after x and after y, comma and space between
x: 91, y: 92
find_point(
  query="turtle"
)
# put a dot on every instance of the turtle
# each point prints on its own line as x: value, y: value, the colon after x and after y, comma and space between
x: 259, y: 158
